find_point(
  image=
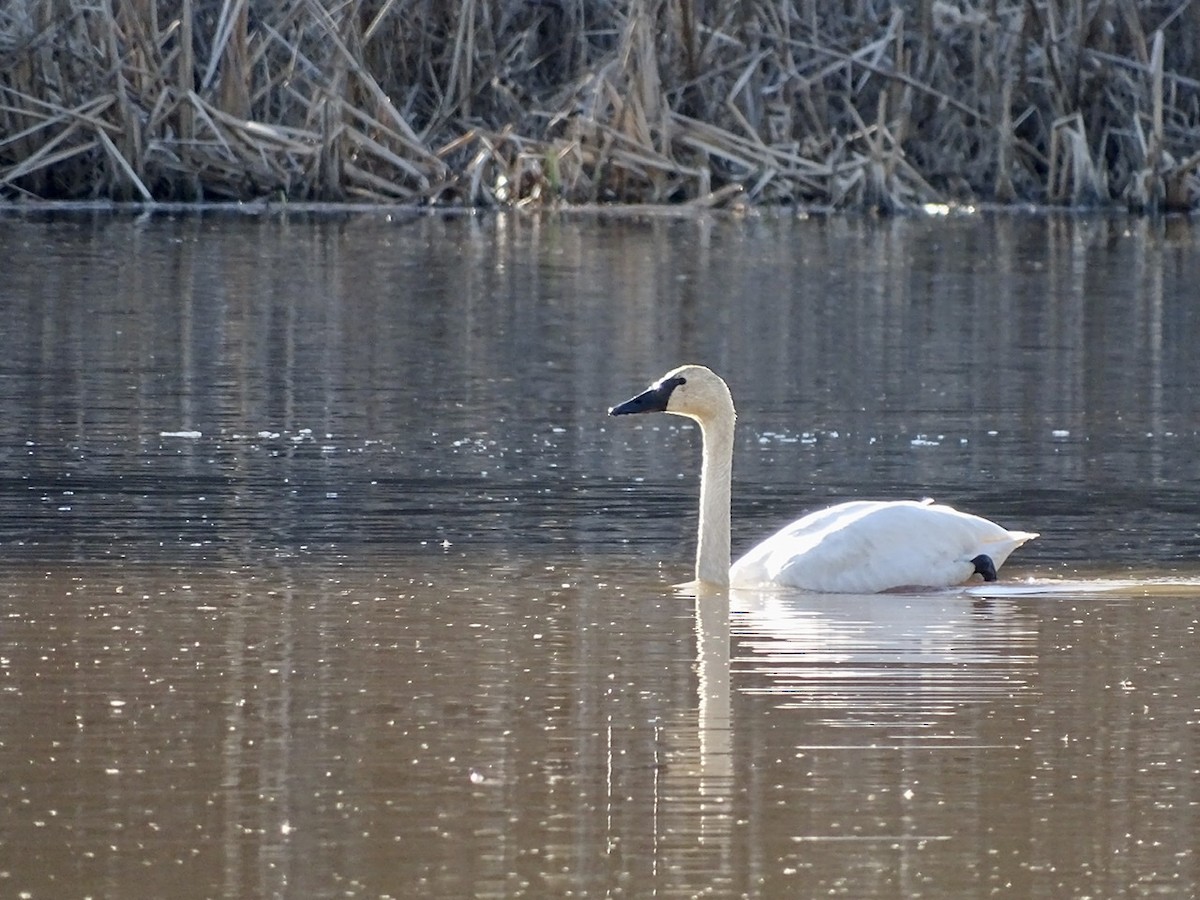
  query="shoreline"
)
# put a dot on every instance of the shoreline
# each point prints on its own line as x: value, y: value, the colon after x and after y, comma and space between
x: 265, y: 208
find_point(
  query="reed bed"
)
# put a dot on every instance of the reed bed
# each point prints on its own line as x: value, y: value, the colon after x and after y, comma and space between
x: 861, y: 104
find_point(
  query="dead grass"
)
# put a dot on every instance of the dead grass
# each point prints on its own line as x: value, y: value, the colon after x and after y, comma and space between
x: 862, y: 104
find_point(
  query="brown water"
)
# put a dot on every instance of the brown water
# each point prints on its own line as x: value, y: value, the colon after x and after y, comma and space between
x: 324, y: 574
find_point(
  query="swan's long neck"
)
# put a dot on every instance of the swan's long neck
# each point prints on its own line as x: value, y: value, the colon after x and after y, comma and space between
x: 716, y: 471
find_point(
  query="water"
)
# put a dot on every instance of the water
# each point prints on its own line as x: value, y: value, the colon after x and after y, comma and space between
x: 324, y: 573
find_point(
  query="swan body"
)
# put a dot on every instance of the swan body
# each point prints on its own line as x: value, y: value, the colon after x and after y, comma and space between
x: 866, y: 546
x: 863, y: 546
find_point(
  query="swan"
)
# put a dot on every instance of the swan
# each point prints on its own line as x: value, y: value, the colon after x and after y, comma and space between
x: 862, y: 546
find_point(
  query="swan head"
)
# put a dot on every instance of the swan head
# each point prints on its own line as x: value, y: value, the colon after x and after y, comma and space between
x: 693, y: 391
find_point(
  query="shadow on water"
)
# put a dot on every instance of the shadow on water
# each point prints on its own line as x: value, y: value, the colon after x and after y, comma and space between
x: 325, y: 573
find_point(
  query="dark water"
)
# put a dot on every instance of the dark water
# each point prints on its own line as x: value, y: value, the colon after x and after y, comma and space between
x: 324, y: 574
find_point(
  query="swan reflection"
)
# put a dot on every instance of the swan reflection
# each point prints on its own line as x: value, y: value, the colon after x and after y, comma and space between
x: 693, y: 802
x: 863, y: 659
x: 712, y: 669
x: 866, y: 685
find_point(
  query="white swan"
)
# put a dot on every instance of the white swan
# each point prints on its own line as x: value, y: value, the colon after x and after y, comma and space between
x: 863, y: 546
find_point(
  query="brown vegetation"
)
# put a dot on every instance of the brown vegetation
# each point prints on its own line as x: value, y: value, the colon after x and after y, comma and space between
x: 846, y: 103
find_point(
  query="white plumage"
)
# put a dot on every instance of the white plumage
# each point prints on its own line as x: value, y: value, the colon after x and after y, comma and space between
x: 863, y: 546
x: 866, y: 546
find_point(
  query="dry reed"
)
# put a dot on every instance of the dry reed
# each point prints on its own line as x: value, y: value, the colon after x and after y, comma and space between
x: 859, y: 103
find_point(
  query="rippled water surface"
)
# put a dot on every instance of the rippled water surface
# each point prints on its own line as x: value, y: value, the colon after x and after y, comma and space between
x: 323, y: 572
